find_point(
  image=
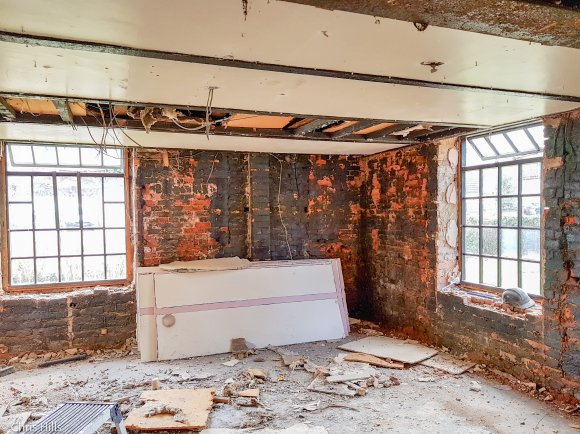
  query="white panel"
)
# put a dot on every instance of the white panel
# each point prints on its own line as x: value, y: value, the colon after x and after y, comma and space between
x: 210, y: 332
x: 146, y: 293
x: 147, y: 337
x: 62, y: 72
x: 326, y: 39
x: 65, y: 134
x: 178, y: 289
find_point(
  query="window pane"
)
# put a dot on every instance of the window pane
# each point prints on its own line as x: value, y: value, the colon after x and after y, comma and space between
x: 471, y: 211
x: 489, y: 271
x: 509, y: 243
x: 21, y: 154
x: 509, y: 273
x: 531, y: 277
x: 531, y: 211
x: 509, y: 180
x: 18, y: 189
x: 530, y: 244
x: 537, y: 133
x: 68, y: 205
x: 47, y: 270
x: 93, y: 242
x: 115, y: 215
x: 71, y: 269
x: 91, y: 157
x: 92, y: 198
x: 521, y: 141
x: 21, y: 244
x: 46, y: 243
x: 44, y: 215
x: 20, y: 216
x: 113, y: 157
x: 94, y: 267
x: 22, y: 271
x: 44, y: 155
x: 116, y: 267
x: 115, y: 240
x: 68, y: 156
x: 471, y: 183
x: 70, y: 242
x: 471, y: 269
x: 531, y: 175
x: 490, y: 211
x: 483, y: 147
x: 114, y: 189
x: 471, y: 240
x: 489, y: 186
x: 489, y: 241
x: 501, y: 144
x: 509, y: 211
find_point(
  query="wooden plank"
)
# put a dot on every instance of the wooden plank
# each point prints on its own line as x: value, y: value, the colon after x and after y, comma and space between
x: 389, y: 348
x: 195, y: 406
x: 387, y: 131
x: 372, y: 360
x: 6, y: 110
x: 64, y: 110
x: 360, y: 125
x: 316, y: 124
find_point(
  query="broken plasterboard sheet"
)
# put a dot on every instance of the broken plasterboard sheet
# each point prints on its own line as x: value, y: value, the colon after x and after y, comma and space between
x: 218, y: 264
x: 195, y: 406
x: 389, y: 348
x: 300, y: 428
x: 372, y: 360
x: 449, y: 364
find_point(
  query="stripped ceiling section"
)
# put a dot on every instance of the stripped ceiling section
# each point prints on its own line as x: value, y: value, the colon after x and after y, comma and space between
x: 338, y: 84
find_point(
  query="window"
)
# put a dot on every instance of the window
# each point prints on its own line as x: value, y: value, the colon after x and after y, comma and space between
x: 501, y: 213
x: 66, y: 221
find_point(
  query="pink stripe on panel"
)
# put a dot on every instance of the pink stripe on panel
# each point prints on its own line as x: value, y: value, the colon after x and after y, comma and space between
x: 239, y: 303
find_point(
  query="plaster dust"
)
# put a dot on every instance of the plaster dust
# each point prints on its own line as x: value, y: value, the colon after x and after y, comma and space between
x: 426, y: 401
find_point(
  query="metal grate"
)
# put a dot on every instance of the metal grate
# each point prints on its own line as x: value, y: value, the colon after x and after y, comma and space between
x: 78, y: 418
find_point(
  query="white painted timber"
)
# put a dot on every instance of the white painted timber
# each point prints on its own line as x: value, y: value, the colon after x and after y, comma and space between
x: 62, y: 72
x: 290, y: 34
x: 210, y: 332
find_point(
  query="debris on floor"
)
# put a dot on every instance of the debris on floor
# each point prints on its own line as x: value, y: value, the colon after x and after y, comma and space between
x: 388, y: 348
x: 239, y: 348
x: 300, y: 428
x: 172, y: 409
x: 372, y: 360
x: 6, y: 371
x: 231, y: 363
x: 449, y: 364
x: 13, y: 423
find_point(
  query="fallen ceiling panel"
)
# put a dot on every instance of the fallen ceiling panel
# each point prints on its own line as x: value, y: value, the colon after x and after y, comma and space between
x: 65, y: 72
x: 332, y: 40
x: 42, y: 133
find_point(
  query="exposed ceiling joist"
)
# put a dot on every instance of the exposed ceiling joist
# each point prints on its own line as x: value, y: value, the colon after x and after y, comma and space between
x: 360, y: 125
x: 6, y: 111
x: 314, y: 125
x: 387, y: 131
x: 543, y: 22
x: 93, y: 47
x: 64, y: 111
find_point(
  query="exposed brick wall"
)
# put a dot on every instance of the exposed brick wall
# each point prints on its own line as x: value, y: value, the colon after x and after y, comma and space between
x: 191, y: 205
x: 84, y: 319
x: 410, y: 253
x: 398, y: 224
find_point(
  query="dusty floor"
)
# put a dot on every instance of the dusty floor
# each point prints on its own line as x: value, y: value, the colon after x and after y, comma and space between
x: 443, y: 405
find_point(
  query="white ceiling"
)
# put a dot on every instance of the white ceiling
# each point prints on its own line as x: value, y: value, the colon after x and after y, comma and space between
x: 285, y: 34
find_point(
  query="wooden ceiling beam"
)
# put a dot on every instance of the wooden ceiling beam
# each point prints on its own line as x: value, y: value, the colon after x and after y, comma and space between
x: 6, y: 110
x: 360, y: 125
x: 388, y: 131
x: 314, y: 125
x: 64, y: 110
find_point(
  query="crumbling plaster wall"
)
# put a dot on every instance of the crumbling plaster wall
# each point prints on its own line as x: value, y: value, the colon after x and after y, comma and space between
x: 410, y: 248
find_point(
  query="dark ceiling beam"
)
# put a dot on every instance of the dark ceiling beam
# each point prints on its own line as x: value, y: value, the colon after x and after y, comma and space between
x: 360, y: 125
x: 542, y: 22
x: 445, y: 134
x: 6, y: 111
x: 64, y: 111
x: 105, y: 103
x: 162, y: 126
x: 44, y: 41
x: 314, y: 125
x: 387, y: 131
